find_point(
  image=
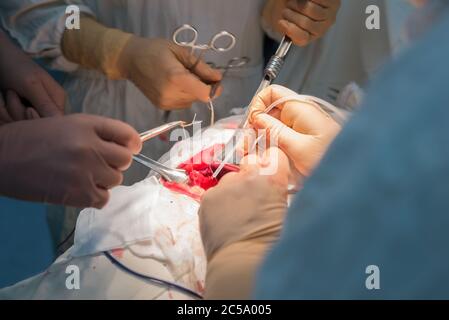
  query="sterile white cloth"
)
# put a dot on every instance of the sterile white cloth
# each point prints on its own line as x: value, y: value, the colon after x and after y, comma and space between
x: 154, y: 231
x: 151, y: 221
x: 125, y: 219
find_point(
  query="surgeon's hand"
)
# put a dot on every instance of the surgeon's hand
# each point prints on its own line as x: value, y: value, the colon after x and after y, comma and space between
x: 71, y: 160
x: 22, y: 75
x: 160, y: 69
x: 302, y: 130
x: 239, y: 221
x: 13, y: 109
x: 302, y: 20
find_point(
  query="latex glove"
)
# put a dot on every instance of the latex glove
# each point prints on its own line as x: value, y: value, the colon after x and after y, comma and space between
x: 302, y: 130
x: 71, y: 160
x: 158, y: 67
x: 239, y: 221
x: 12, y: 109
x: 22, y: 75
x: 302, y: 20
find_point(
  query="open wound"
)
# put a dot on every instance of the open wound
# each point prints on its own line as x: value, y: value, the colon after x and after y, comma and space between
x: 200, y: 169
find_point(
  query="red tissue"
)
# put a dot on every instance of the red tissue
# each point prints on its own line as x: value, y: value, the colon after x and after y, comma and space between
x: 200, y: 169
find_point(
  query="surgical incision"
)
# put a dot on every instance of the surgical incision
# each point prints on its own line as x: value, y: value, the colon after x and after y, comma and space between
x: 200, y: 169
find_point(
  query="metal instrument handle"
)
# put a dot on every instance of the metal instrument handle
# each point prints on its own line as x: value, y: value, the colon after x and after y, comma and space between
x: 169, y: 174
x: 150, y: 134
x: 225, y: 37
x: 185, y: 29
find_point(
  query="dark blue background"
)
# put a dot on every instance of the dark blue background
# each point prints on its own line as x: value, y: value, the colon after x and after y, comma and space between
x: 25, y: 243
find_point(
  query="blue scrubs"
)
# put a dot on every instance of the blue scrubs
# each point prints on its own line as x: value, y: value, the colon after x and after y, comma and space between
x: 380, y: 196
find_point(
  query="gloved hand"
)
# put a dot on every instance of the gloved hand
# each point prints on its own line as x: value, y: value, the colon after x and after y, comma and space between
x: 71, y: 160
x: 239, y: 221
x: 302, y: 130
x: 12, y: 109
x: 158, y: 67
x: 22, y: 75
x: 302, y: 20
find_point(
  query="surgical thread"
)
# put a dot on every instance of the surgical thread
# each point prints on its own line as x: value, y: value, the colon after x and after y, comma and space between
x: 305, y: 98
x: 299, y: 98
x: 211, y: 107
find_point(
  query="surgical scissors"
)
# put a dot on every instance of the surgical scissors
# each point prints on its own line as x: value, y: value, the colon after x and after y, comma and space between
x: 214, y: 43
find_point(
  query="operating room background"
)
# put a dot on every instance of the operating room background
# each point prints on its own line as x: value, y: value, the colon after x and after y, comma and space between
x: 25, y: 242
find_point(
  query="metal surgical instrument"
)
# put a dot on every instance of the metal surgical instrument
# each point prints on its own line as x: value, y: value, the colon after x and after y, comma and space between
x: 223, y: 41
x: 234, y: 63
x: 150, y: 134
x: 271, y: 72
x: 169, y: 174
x: 217, y: 43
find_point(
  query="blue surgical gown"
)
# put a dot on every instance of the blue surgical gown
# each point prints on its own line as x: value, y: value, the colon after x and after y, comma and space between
x: 380, y: 196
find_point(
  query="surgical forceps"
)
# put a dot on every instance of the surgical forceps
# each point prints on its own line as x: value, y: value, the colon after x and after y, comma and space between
x: 221, y: 42
x: 169, y: 174
x: 234, y: 63
x: 150, y: 134
x: 217, y: 44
